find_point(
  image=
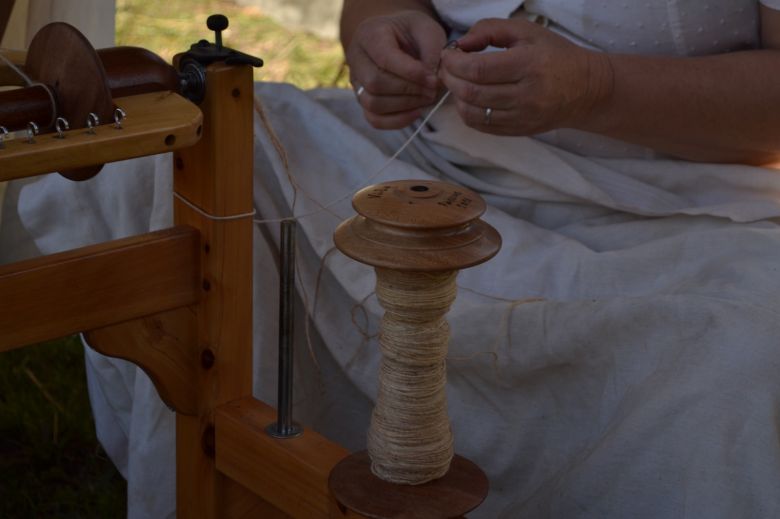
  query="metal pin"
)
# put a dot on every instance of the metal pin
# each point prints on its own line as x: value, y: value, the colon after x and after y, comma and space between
x: 92, y: 121
x: 119, y: 116
x: 284, y: 426
x: 61, y: 125
x: 3, y: 135
x: 32, y: 131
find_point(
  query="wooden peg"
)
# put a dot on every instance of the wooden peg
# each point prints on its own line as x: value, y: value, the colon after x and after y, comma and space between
x: 413, y: 232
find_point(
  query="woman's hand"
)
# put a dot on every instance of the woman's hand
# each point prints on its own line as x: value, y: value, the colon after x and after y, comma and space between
x: 393, y: 61
x: 541, y: 81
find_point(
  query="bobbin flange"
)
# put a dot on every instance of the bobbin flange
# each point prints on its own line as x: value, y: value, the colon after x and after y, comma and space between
x: 418, y: 225
x: 458, y: 492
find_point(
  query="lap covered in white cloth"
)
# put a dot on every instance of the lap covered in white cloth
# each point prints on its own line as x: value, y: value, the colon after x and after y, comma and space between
x: 618, y: 358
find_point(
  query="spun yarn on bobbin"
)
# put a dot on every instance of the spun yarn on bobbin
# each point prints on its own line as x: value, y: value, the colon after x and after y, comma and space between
x: 410, y: 440
x: 417, y: 234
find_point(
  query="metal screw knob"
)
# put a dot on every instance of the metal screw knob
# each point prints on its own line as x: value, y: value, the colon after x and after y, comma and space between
x: 217, y: 23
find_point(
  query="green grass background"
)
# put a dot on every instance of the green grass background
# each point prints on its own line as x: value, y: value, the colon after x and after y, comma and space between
x: 51, y: 464
x: 170, y: 26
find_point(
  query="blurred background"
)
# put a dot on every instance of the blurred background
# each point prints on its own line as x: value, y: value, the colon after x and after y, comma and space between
x: 51, y: 464
x: 296, y: 38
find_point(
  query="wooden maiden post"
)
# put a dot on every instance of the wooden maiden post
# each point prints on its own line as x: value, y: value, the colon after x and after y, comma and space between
x: 216, y: 176
x: 213, y: 188
x: 417, y: 234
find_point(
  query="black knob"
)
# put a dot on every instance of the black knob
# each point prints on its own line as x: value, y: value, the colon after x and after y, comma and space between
x: 217, y: 23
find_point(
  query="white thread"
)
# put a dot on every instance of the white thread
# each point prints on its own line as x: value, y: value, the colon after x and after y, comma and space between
x: 371, y: 177
x: 10, y: 64
x: 209, y: 215
x: 51, y: 98
x: 30, y: 83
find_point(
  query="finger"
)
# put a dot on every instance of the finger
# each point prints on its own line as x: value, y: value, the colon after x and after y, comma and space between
x: 503, y: 95
x: 392, y: 121
x: 380, y: 82
x: 477, y: 117
x: 386, y: 55
x: 383, y: 104
x: 429, y: 44
x: 497, y: 33
x: 486, y: 68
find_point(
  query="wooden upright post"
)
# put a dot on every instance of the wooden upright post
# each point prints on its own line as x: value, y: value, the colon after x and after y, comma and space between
x: 216, y: 176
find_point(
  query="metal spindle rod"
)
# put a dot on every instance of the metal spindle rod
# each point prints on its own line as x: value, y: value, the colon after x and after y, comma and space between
x: 284, y: 426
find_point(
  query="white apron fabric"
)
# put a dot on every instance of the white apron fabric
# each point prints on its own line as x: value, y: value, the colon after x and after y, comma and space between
x: 635, y: 375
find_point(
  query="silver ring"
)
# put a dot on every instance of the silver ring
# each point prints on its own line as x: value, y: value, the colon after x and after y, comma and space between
x: 119, y: 116
x: 61, y: 125
x: 3, y: 135
x: 92, y: 121
x: 32, y: 131
x: 360, y: 90
x: 488, y: 113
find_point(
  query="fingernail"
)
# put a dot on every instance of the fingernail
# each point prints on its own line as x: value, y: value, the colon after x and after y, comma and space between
x: 452, y: 44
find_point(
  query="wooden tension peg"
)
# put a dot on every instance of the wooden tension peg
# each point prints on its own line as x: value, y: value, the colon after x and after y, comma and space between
x: 417, y: 235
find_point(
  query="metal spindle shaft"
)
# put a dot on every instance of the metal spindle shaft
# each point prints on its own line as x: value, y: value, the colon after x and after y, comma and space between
x: 284, y: 426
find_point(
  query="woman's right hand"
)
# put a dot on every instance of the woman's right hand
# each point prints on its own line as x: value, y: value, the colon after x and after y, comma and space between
x: 394, y: 59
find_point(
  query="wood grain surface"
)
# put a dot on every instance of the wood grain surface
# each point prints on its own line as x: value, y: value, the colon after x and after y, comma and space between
x: 61, y: 294
x: 155, y: 123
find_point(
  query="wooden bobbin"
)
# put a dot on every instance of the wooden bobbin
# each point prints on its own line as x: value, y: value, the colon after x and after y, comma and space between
x: 413, y: 226
x: 62, y: 58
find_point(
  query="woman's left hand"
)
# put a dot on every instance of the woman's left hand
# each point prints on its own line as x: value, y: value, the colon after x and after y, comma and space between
x: 541, y: 81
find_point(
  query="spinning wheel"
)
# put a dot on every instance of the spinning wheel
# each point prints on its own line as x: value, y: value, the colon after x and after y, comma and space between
x: 178, y: 302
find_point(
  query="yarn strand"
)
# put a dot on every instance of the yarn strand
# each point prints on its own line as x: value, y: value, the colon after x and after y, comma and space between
x: 367, y: 181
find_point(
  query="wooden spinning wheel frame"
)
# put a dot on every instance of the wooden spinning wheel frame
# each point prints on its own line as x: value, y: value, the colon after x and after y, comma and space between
x: 178, y: 302
x: 176, y: 298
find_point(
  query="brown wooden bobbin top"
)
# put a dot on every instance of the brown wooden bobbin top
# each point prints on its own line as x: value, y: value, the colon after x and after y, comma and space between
x: 418, y: 225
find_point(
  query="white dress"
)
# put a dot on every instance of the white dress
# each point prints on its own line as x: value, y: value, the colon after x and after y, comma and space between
x: 617, y: 359
x: 668, y: 27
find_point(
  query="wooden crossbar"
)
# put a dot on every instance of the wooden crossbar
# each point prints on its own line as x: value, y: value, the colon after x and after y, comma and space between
x: 156, y: 122
x: 61, y: 294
